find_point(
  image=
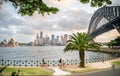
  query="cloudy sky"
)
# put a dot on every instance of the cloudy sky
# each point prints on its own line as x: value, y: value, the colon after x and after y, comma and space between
x: 73, y: 17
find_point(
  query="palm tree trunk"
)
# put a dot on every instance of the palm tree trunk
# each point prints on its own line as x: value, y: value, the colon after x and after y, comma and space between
x: 81, y: 56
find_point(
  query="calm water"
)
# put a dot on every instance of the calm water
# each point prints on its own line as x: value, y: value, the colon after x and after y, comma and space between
x: 39, y: 52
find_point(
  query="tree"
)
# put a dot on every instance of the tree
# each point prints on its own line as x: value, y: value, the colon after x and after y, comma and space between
x: 115, y: 42
x: 28, y: 7
x: 81, y: 42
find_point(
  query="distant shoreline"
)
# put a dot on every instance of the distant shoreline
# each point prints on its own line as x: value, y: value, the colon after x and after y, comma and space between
x: 107, y: 50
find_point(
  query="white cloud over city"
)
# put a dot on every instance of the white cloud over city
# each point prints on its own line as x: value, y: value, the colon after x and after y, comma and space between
x: 73, y: 17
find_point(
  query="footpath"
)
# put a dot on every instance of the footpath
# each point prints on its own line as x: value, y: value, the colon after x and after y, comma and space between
x: 98, y: 65
x: 60, y: 72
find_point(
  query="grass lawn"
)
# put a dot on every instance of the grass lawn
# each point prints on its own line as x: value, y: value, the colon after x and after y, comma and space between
x: 117, y: 63
x: 27, y: 71
x: 81, y: 71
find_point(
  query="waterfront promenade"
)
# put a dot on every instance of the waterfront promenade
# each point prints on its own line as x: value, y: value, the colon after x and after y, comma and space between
x: 102, y: 69
x: 91, y: 69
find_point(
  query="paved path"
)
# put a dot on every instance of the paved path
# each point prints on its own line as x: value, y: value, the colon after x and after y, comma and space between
x: 60, y: 72
x: 107, y: 72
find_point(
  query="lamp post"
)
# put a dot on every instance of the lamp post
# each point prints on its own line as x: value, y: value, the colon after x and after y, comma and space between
x: 113, y: 68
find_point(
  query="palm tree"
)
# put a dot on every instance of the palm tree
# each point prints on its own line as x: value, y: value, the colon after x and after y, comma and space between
x: 81, y: 42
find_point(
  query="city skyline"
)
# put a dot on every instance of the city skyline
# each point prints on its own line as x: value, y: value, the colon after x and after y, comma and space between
x: 43, y: 39
x: 73, y: 17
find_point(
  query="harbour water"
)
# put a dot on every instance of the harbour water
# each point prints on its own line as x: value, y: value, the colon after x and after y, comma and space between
x: 46, y: 52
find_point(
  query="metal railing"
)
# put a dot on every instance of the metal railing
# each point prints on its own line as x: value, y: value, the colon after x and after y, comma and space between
x: 38, y: 63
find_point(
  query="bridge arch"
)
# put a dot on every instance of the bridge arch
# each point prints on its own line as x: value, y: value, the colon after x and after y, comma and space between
x: 111, y: 14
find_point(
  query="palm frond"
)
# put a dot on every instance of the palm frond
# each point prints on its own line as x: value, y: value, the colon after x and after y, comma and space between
x: 81, y: 41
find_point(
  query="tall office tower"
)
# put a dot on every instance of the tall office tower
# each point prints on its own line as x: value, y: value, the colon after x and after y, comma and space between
x: 41, y: 34
x: 66, y: 36
x: 57, y: 39
x: 37, y: 36
x: 61, y: 40
x: 53, y: 39
x: 40, y: 41
x: 37, y: 39
x: 36, y: 42
x: 46, y: 39
x: 69, y: 36
x: 65, y: 39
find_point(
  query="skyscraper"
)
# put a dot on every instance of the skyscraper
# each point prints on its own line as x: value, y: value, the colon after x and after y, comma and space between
x: 62, y: 39
x: 41, y: 34
x: 66, y: 36
x: 57, y: 39
x: 65, y: 39
x: 53, y: 39
x: 37, y: 36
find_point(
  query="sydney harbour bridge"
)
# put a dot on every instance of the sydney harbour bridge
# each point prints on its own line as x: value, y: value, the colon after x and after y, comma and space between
x: 104, y: 19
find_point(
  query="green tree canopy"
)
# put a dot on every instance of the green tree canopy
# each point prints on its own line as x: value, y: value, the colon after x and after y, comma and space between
x: 115, y: 42
x: 81, y: 42
x: 28, y: 7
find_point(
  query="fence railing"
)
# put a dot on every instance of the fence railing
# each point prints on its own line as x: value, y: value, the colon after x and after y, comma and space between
x: 54, y: 62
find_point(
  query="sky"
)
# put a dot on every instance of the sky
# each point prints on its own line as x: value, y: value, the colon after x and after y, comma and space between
x: 73, y: 17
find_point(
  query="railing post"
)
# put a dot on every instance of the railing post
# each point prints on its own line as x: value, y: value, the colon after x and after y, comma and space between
x: 2, y: 62
x: 13, y: 62
x: 31, y: 63
x: 8, y: 63
x: 37, y: 63
x: 71, y: 62
x: 25, y: 63
x: 75, y: 61
x: 19, y: 62
x: 103, y: 59
x: 89, y: 60
x: 48, y: 63
x: 67, y: 62
x: 40, y: 63
x: 53, y: 63
x: 92, y: 60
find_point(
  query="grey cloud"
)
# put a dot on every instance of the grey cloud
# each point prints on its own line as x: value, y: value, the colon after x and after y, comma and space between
x: 4, y: 15
x: 8, y: 16
x: 6, y: 32
x: 76, y: 19
x: 26, y: 31
x: 115, y: 2
x: 11, y: 21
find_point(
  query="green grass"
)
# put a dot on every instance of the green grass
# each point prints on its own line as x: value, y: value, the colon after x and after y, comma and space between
x: 117, y: 63
x: 27, y: 71
x: 81, y: 71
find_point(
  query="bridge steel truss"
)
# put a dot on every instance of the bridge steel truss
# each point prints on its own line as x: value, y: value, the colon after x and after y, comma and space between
x: 111, y: 14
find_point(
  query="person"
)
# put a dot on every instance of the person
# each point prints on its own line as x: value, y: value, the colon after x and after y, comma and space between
x: 60, y: 63
x: 43, y: 63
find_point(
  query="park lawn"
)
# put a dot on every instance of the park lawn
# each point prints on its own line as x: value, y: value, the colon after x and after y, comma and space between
x: 117, y: 63
x: 27, y: 71
x: 81, y: 71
